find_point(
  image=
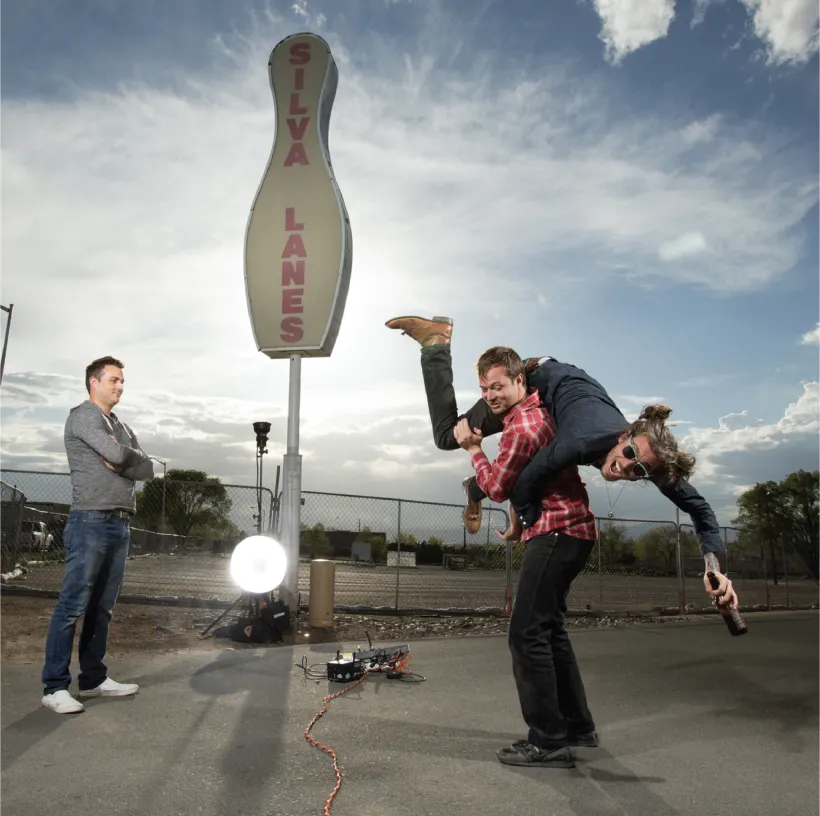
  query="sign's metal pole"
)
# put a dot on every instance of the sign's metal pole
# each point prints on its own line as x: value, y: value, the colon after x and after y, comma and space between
x: 292, y: 491
x: 9, y: 309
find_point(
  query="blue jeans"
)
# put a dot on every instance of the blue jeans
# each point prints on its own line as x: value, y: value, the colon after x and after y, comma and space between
x: 96, y: 550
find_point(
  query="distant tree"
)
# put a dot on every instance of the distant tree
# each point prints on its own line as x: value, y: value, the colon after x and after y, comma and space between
x: 774, y: 514
x: 315, y: 540
x: 194, y: 501
x: 662, y: 543
x: 378, y: 549
x: 615, y: 546
x: 409, y: 543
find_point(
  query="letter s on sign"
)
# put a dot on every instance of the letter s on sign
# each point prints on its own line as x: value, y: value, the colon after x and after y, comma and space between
x: 300, y: 53
x: 291, y: 328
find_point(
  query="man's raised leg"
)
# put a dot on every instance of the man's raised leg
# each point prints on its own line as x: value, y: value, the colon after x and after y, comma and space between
x: 434, y: 336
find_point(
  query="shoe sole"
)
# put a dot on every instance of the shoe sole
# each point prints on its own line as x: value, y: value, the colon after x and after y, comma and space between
x: 472, y: 526
x: 107, y: 693
x: 522, y: 763
x: 64, y: 710
x: 435, y: 319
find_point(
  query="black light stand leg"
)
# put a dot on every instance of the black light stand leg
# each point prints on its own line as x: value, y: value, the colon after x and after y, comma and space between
x: 215, y: 622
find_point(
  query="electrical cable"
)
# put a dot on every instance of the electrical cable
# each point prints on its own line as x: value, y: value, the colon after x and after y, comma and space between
x: 393, y: 664
x: 325, y: 748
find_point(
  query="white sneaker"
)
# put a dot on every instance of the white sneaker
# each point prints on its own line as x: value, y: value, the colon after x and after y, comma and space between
x: 62, y: 702
x: 110, y: 688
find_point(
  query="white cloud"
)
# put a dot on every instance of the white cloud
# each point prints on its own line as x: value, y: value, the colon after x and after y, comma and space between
x: 725, y: 422
x: 641, y: 401
x: 811, y: 337
x: 684, y: 246
x: 735, y: 449
x: 789, y: 28
x: 700, y: 9
x: 630, y: 24
x: 702, y: 130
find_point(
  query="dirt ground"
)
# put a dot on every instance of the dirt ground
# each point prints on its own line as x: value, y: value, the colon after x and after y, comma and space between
x: 151, y: 629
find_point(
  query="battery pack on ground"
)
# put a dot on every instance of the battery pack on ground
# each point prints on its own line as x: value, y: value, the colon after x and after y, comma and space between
x: 344, y: 669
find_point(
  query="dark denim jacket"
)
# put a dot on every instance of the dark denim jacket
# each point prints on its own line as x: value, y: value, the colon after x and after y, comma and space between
x: 589, y: 424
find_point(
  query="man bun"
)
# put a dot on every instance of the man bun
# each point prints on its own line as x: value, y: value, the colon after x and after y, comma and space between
x: 659, y: 412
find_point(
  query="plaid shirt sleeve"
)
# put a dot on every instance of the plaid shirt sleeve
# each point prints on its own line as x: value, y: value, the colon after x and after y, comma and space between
x: 515, y: 449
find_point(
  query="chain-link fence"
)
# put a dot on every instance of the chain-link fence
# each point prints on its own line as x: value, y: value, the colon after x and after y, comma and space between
x: 403, y: 554
x: 765, y: 573
x: 12, y: 534
x: 182, y: 534
x: 390, y: 554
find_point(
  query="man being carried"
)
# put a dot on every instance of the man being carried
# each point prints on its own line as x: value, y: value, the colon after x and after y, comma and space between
x: 550, y: 690
x: 590, y: 431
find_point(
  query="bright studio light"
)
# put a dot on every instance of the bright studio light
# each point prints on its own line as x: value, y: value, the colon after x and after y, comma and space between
x: 258, y: 564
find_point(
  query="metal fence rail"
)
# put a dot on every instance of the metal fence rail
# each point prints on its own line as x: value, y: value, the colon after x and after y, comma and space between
x: 391, y: 554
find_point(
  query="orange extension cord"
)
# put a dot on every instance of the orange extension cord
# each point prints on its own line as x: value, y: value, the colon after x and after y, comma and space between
x: 396, y: 665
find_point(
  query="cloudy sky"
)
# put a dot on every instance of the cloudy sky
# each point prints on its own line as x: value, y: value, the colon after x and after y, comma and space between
x: 628, y: 185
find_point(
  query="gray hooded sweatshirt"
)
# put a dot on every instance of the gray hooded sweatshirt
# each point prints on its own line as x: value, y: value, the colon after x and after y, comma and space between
x: 91, y: 436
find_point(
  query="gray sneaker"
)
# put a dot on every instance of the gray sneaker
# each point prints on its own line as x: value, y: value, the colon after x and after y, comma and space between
x: 62, y: 702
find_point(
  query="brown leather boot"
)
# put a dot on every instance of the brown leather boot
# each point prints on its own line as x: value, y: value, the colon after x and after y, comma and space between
x: 435, y: 332
x: 472, y: 510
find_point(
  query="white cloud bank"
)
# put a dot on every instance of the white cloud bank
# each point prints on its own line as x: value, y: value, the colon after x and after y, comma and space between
x: 787, y: 28
x: 631, y: 24
x: 738, y: 452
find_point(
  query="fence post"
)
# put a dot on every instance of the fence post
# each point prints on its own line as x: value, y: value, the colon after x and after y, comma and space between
x: 766, y: 579
x: 398, y: 556
x: 600, y: 574
x: 679, y: 565
x: 785, y: 571
x: 509, y: 570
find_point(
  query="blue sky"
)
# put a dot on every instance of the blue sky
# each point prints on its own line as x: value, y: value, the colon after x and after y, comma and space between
x: 627, y: 185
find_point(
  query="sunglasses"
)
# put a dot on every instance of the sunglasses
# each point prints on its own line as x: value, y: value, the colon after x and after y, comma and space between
x: 638, y: 468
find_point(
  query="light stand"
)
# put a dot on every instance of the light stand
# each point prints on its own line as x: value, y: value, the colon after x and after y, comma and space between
x: 253, y: 603
x: 261, y: 429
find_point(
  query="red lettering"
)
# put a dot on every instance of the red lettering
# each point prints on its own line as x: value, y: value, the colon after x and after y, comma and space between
x: 296, y: 155
x: 293, y: 273
x: 295, y: 247
x: 295, y: 105
x: 292, y: 301
x: 290, y: 220
x: 297, y: 132
x: 291, y: 328
x: 299, y: 79
x: 300, y: 53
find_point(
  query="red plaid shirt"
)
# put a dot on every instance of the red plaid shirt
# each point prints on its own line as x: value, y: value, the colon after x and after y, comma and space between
x: 565, y: 503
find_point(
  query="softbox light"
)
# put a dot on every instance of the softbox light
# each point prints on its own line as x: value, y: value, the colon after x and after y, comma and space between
x: 258, y: 564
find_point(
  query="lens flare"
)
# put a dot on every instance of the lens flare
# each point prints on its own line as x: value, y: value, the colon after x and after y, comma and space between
x: 258, y: 564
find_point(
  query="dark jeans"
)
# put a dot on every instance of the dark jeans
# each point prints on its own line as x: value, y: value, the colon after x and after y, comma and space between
x: 550, y: 689
x: 96, y: 550
x: 437, y: 370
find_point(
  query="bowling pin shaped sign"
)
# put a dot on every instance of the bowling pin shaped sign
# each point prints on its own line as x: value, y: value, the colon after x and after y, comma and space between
x: 298, y: 245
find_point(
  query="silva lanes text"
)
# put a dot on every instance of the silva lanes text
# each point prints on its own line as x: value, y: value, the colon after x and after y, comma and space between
x: 294, y: 256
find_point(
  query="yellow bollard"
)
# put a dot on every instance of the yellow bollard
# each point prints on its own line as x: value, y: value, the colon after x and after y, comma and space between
x: 322, y: 589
